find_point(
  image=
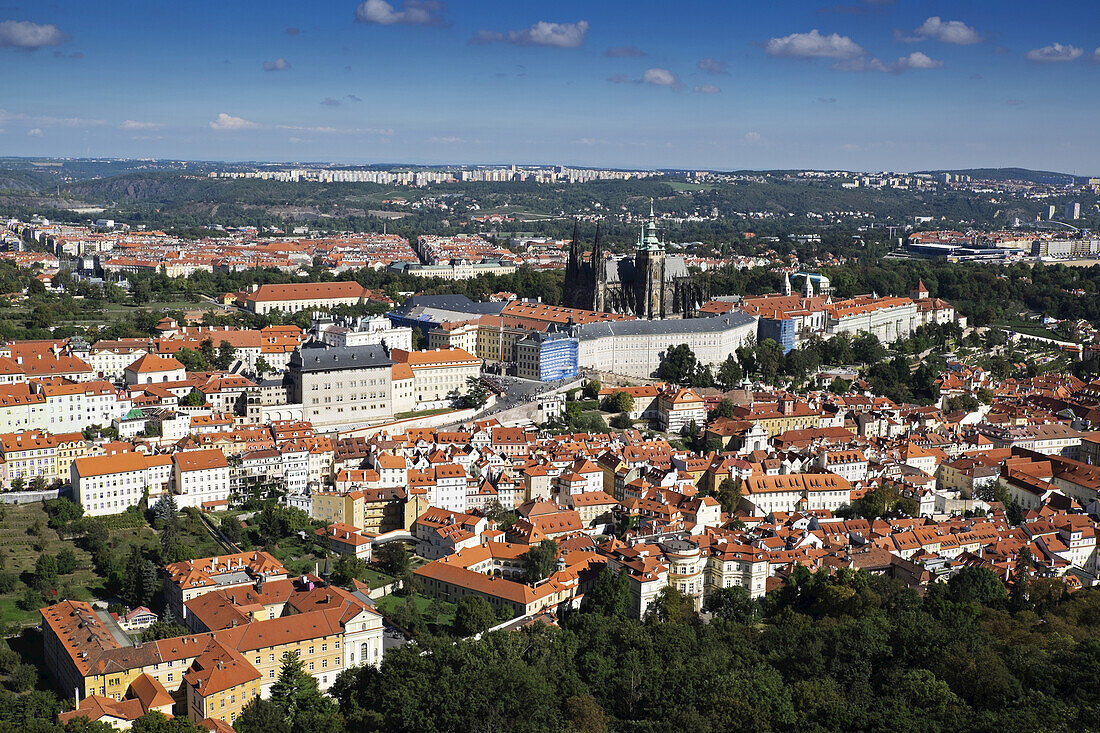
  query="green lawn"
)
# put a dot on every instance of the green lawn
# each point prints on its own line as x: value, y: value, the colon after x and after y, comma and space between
x: 422, y: 413
x: 375, y: 579
x: 18, y: 554
x: 1030, y: 328
x: 387, y: 605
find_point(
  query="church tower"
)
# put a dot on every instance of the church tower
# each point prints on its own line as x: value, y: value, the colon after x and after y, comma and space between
x: 787, y: 283
x: 649, y: 271
x: 599, y: 274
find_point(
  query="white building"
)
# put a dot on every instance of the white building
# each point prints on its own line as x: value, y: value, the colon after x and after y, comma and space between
x: 636, y: 348
x: 201, y: 476
x: 112, y: 484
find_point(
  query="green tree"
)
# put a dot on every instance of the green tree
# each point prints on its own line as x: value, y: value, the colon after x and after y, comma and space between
x: 611, y: 596
x: 724, y: 409
x: 227, y: 353
x: 477, y: 394
x: 539, y: 561
x: 473, y: 615
x: 733, y: 604
x: 678, y: 365
x: 66, y: 561
x: 194, y: 398
x: 156, y: 722
x: 393, y: 557
x: 729, y: 374
x: 263, y: 367
x: 620, y: 401
x: 347, y: 569
x: 261, y: 715
x: 729, y: 494
x: 671, y: 606
x: 592, y: 389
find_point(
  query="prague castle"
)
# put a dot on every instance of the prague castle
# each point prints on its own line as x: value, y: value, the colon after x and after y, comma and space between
x: 649, y: 284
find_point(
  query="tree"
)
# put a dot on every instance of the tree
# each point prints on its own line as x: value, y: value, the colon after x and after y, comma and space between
x: 592, y: 389
x: 393, y: 557
x: 193, y: 361
x: 769, y: 357
x: 729, y: 494
x: 303, y: 706
x: 18, y: 484
x: 261, y: 715
x: 724, y: 409
x: 840, y: 386
x: 156, y: 722
x: 977, y: 585
x: 38, y: 483
x: 473, y: 615
x: 670, y: 606
x: 622, y: 421
x: 477, y: 395
x: 66, y: 561
x: 539, y: 561
x: 620, y: 401
x: 45, y: 572
x: 611, y: 596
x: 867, y: 349
x: 347, y: 569
x: 678, y: 365
x: 733, y: 604
x: 729, y: 374
x: 263, y: 367
x: 226, y: 355
x: 194, y: 398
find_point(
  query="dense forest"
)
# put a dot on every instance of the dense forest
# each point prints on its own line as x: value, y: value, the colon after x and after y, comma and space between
x: 847, y: 652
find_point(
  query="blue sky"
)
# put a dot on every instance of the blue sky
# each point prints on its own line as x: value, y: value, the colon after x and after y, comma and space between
x: 862, y: 84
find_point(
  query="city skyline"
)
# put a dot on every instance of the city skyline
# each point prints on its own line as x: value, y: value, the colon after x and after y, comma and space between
x: 867, y: 85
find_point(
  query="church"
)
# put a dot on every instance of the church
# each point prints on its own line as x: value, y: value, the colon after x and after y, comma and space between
x: 648, y: 284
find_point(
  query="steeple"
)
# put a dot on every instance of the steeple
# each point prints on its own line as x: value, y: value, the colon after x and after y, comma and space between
x: 807, y: 287
x: 597, y: 255
x: 787, y: 283
x: 648, y: 239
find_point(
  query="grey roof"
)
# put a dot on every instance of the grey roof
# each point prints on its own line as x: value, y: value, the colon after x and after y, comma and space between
x: 322, y: 359
x: 669, y: 327
x: 456, y: 304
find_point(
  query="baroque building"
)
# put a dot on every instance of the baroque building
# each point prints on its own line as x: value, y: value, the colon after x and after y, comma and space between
x: 648, y: 284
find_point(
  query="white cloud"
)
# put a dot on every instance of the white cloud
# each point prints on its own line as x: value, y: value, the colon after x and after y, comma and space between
x: 814, y: 45
x: 35, y: 132
x: 229, y: 122
x: 137, y: 125
x: 946, y: 31
x: 26, y: 35
x: 444, y: 140
x: 753, y: 138
x: 279, y: 64
x: 330, y: 102
x: 706, y: 89
x: 659, y: 77
x: 713, y: 66
x: 412, y: 12
x: 916, y: 60
x: 1054, y: 52
x: 562, y: 35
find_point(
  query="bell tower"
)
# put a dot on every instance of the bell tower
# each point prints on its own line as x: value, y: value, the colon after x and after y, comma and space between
x: 649, y: 271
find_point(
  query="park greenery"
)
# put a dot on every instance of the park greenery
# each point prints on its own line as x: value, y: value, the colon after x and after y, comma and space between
x: 849, y: 651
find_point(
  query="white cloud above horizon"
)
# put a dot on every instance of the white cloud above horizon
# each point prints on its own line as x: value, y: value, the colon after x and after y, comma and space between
x: 411, y: 12
x: 542, y: 33
x: 28, y: 36
x: 1054, y: 53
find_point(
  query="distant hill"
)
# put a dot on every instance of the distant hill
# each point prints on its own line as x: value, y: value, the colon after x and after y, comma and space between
x: 1015, y: 174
